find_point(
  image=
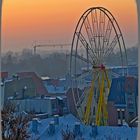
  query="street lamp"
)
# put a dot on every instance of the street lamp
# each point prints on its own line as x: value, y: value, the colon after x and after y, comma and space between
x: 23, y: 91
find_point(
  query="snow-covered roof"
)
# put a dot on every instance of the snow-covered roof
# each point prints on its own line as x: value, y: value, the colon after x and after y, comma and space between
x: 54, y: 90
x: 67, y: 123
x: 45, y: 78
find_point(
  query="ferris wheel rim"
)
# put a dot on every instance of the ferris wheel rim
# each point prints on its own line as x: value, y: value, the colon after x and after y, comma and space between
x: 119, y: 31
x: 80, y: 23
x: 104, y: 10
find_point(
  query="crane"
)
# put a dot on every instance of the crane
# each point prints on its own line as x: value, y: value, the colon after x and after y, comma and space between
x: 49, y: 45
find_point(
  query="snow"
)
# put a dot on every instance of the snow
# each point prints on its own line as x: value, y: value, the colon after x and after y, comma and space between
x: 60, y: 98
x: 11, y: 97
x: 45, y: 78
x: 55, y: 90
x: 67, y: 123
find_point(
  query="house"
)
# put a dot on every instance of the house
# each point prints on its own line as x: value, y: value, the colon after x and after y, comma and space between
x: 132, y: 70
x: 40, y: 88
x: 19, y: 88
x: 55, y: 87
x: 39, y: 105
x: 4, y: 76
x: 71, y: 104
x: 122, y: 100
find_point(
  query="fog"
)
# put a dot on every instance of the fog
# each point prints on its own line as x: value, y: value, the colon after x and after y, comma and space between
x: 54, y: 64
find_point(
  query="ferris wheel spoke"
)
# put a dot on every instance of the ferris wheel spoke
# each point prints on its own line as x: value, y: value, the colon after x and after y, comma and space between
x: 81, y: 99
x: 90, y: 35
x: 112, y: 45
x: 85, y: 74
x: 101, y: 24
x: 87, y: 46
x: 83, y: 96
x: 84, y: 42
x: 101, y: 33
x: 88, y: 30
x: 107, y: 35
x: 94, y: 20
x: 82, y: 58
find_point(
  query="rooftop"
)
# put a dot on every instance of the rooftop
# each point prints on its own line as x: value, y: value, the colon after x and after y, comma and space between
x: 67, y: 123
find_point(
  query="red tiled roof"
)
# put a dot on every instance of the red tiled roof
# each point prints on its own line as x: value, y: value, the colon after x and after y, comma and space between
x: 4, y: 74
x: 37, y: 80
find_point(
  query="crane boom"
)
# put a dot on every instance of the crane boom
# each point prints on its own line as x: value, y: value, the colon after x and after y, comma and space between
x: 48, y: 45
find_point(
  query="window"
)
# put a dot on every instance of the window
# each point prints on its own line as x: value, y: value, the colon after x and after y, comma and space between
x: 130, y: 103
x: 119, y: 114
x: 53, y: 106
x: 123, y: 114
x: 93, y: 110
x: 131, y: 114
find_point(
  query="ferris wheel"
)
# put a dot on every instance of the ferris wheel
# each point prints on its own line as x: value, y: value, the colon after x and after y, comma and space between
x: 97, y: 38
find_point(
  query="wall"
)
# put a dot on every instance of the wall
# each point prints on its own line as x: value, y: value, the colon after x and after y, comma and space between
x: 10, y: 87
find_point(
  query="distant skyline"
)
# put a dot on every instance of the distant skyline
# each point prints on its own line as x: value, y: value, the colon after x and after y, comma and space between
x: 51, y: 21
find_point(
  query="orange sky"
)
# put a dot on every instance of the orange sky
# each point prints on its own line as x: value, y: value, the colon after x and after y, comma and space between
x: 27, y: 21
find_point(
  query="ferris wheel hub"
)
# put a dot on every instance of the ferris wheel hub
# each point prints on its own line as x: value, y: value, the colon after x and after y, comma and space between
x: 102, y: 67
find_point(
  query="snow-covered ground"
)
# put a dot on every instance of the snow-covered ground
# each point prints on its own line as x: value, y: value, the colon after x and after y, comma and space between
x: 68, y: 123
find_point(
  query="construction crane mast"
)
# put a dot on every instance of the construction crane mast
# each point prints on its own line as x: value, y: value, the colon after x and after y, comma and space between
x: 49, y: 45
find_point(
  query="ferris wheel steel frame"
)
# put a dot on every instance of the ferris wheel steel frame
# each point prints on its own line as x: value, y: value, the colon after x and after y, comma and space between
x: 103, y: 10
x: 95, y: 59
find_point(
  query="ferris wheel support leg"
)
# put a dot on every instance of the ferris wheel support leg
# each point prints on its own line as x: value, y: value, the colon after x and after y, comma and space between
x: 107, y: 79
x: 99, y: 107
x: 102, y: 114
x: 89, y: 104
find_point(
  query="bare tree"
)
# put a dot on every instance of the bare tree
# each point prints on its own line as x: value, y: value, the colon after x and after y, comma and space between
x: 14, y: 125
x: 67, y: 135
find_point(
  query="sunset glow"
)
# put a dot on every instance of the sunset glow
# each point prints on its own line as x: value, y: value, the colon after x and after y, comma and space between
x: 25, y: 22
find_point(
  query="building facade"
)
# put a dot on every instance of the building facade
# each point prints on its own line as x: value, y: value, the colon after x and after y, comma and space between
x: 122, y: 101
x: 47, y: 105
